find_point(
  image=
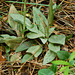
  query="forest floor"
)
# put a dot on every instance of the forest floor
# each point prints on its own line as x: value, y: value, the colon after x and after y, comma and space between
x: 64, y: 22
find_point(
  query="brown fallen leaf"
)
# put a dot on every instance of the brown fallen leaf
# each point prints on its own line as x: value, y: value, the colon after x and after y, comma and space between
x: 2, y: 58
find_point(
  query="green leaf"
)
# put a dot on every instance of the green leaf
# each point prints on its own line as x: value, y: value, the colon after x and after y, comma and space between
x: 68, y: 37
x: 12, y: 23
x: 39, y: 19
x: 63, y: 55
x: 14, y: 42
x: 1, y: 40
x: 66, y: 70
x: 45, y: 72
x: 25, y: 46
x: 20, y: 18
x: 54, y: 48
x: 63, y: 68
x: 11, y: 41
x: 33, y: 29
x: 32, y: 35
x: 44, y: 40
x: 54, y: 68
x: 57, y: 39
x: 72, y: 62
x: 26, y: 57
x: 7, y: 52
x: 55, y: 7
x: 15, y: 57
x: 60, y: 62
x: 49, y: 57
x: 51, y: 30
x: 72, y: 56
x: 7, y: 49
x: 4, y: 37
x: 35, y: 50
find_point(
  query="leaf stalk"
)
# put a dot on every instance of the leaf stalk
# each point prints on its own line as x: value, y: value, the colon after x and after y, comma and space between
x: 24, y: 17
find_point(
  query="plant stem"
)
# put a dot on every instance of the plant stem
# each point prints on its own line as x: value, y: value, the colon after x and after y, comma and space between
x: 30, y: 3
x: 50, y: 17
x: 24, y: 14
x: 51, y: 13
x: 24, y: 17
